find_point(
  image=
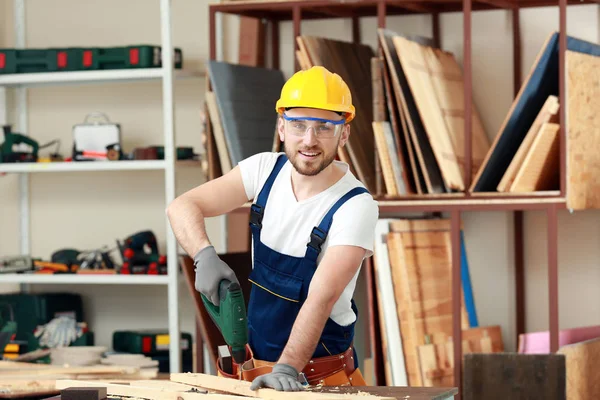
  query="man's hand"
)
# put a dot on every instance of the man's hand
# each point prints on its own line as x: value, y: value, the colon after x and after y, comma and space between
x: 210, y: 271
x: 283, y: 377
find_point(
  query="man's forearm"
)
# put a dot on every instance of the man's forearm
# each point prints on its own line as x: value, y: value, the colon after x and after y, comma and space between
x: 306, y: 332
x: 187, y: 223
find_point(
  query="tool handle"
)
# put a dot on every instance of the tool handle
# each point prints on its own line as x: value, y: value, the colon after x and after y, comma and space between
x: 215, y: 311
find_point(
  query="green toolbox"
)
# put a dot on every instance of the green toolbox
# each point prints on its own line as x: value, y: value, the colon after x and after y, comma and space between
x: 153, y: 344
x: 23, y: 61
x: 20, y: 61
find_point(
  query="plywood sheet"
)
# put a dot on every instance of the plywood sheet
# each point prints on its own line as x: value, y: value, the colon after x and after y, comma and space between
x: 541, y: 167
x: 583, y: 130
x: 413, y: 60
x: 548, y: 113
x: 541, y: 82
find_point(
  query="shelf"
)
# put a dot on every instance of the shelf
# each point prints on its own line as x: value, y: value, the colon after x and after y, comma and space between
x: 86, y: 279
x: 84, y: 77
x: 87, y: 166
x: 327, y: 9
x: 454, y: 201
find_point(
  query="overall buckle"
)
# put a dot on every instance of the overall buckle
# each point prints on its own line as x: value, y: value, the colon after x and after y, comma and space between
x: 317, y: 238
x: 256, y: 215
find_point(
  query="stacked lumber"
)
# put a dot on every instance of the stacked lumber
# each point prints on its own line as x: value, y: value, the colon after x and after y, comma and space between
x: 351, y: 61
x: 419, y: 117
x: 20, y: 379
x: 240, y: 113
x: 413, y: 279
x: 525, y: 154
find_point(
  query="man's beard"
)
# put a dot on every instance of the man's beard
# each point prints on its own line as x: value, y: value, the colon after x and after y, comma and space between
x: 314, y: 167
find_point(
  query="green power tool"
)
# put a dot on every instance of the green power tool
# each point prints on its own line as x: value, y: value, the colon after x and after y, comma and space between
x: 230, y: 318
x: 8, y: 155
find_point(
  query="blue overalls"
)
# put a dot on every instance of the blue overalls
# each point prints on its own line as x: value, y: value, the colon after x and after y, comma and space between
x: 280, y: 286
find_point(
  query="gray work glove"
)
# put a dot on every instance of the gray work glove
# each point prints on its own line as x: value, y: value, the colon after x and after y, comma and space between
x: 283, y: 378
x: 210, y: 271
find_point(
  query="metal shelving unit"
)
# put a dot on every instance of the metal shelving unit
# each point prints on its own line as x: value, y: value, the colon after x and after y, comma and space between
x: 166, y: 74
x: 295, y: 11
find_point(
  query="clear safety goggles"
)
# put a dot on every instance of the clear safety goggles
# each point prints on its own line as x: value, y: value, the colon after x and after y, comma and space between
x: 322, y: 128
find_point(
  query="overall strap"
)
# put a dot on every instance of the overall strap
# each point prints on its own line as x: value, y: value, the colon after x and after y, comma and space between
x: 258, y: 207
x: 319, y: 233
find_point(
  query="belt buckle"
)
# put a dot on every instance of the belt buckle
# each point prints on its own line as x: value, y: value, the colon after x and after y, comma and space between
x: 302, y: 379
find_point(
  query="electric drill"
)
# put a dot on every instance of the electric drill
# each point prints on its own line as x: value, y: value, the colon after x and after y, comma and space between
x: 230, y: 318
x: 7, y: 155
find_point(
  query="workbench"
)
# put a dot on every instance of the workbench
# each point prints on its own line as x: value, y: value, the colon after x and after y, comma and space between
x: 399, y: 392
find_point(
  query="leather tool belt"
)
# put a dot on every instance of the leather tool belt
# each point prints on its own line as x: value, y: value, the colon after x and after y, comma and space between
x: 334, y: 370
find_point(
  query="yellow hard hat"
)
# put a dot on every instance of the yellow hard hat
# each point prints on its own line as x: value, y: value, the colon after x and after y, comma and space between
x: 317, y: 88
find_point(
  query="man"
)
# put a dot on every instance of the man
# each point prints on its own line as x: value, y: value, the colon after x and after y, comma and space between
x: 312, y: 224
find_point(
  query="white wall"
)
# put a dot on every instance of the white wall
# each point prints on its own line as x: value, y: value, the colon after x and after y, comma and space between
x: 61, y: 210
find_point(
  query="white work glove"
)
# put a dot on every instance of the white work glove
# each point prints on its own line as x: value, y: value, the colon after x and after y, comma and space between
x: 60, y: 332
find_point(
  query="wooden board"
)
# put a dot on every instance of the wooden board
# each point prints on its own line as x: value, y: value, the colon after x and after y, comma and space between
x: 548, y: 113
x: 352, y: 62
x: 217, y: 133
x: 583, y: 130
x: 514, y: 376
x: 447, y: 80
x: 414, y: 64
x: 541, y: 168
x: 430, y: 171
x: 583, y: 374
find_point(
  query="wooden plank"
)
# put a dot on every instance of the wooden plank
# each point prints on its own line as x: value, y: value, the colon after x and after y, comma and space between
x: 541, y: 167
x: 414, y: 126
x: 218, y: 133
x: 240, y: 387
x: 146, y: 393
x: 384, y: 158
x: 548, y: 113
x: 413, y: 61
x: 514, y: 376
x: 447, y: 80
x: 583, y: 103
x: 412, y: 175
x: 583, y: 374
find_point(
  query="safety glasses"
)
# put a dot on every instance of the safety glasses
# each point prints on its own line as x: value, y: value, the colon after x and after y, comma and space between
x: 322, y: 128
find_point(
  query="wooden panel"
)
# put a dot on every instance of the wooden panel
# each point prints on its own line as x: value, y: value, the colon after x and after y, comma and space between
x: 548, y: 113
x: 218, y: 134
x: 583, y: 374
x: 583, y: 103
x: 514, y: 376
x: 433, y: 182
x: 251, y: 42
x: 446, y: 77
x: 541, y: 168
x: 414, y: 64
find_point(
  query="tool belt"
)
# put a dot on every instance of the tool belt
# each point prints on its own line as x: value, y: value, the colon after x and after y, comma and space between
x: 334, y: 370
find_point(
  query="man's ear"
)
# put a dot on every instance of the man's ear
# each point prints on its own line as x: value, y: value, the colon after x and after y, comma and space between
x: 345, y: 135
x: 281, y: 128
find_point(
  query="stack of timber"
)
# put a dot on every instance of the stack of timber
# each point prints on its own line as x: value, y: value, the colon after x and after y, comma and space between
x: 418, y: 117
x: 413, y: 278
x: 240, y: 113
x: 525, y: 155
x: 20, y: 379
x: 352, y: 62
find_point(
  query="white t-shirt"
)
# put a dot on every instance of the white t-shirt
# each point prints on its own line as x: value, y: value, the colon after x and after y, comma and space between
x: 287, y: 223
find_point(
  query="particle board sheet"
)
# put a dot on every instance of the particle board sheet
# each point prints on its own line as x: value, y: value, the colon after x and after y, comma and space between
x: 421, y: 274
x: 541, y: 82
x: 514, y: 376
x: 583, y: 116
x: 430, y: 173
x: 413, y: 59
x: 541, y: 168
x: 353, y: 63
x: 583, y: 374
x: 246, y: 98
x: 548, y: 113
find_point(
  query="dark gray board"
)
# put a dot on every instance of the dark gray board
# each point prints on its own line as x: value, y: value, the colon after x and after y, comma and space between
x: 246, y: 98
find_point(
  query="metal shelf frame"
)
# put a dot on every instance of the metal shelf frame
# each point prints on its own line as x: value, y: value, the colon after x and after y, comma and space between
x: 166, y: 74
x: 456, y: 203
